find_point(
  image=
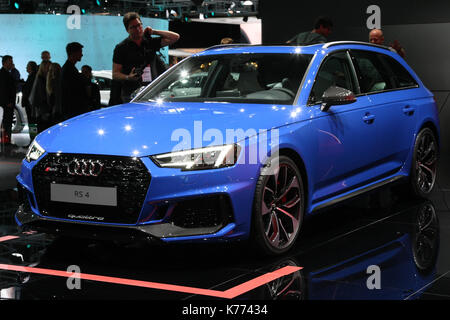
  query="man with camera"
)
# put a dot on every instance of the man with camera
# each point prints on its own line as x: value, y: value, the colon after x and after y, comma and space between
x: 135, y: 60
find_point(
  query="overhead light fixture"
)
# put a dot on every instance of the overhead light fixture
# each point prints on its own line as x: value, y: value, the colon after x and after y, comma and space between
x: 247, y: 3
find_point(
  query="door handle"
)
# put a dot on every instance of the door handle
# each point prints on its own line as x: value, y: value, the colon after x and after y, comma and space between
x: 408, y: 110
x: 368, y: 118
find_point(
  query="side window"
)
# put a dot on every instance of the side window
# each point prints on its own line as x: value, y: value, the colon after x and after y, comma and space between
x: 335, y: 71
x: 373, y: 76
x: 402, y: 77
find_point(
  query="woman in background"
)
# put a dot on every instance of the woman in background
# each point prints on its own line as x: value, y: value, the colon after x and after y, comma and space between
x: 40, y: 108
x: 32, y: 69
x: 54, y: 92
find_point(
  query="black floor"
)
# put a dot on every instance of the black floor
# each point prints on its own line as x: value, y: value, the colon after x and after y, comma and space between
x: 380, y: 246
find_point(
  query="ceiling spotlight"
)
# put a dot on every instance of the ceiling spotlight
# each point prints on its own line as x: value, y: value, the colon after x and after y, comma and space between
x: 247, y: 3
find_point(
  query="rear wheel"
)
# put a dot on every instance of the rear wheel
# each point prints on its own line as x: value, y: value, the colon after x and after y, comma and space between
x: 278, y: 207
x: 424, y: 163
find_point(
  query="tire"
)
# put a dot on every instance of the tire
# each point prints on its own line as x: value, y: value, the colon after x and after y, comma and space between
x: 424, y: 163
x: 278, y: 207
x: 17, y: 121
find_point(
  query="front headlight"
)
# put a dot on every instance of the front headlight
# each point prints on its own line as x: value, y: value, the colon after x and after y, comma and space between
x: 35, y: 151
x: 197, y: 159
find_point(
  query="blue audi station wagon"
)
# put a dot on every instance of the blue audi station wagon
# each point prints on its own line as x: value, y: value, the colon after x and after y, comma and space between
x: 236, y: 143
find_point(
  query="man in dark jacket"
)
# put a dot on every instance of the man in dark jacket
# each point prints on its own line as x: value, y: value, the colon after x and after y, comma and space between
x: 73, y: 84
x: 7, y: 97
x: 320, y: 33
x: 93, y: 89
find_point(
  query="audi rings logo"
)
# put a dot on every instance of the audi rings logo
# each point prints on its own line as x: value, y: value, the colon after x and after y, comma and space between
x: 88, y: 168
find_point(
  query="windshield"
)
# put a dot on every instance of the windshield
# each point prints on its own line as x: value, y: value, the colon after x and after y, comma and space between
x: 247, y: 78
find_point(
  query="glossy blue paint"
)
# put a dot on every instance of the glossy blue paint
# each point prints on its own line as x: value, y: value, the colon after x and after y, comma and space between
x: 345, y: 149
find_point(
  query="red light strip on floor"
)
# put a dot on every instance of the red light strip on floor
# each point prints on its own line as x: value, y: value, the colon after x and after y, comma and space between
x: 228, y: 294
x: 6, y: 238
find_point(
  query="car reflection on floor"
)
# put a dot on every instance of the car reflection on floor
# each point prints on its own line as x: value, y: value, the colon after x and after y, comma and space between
x: 387, y: 253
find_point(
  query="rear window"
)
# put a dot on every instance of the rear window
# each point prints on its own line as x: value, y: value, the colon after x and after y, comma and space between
x: 373, y: 74
x: 245, y: 78
x: 402, y: 77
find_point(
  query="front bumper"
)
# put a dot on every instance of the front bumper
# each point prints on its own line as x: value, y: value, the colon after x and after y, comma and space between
x: 154, y: 233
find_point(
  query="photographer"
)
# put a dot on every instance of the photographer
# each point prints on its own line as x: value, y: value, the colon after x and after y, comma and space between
x: 135, y: 61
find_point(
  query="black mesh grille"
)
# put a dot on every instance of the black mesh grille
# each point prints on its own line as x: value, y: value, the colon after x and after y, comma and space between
x: 203, y: 212
x: 128, y: 175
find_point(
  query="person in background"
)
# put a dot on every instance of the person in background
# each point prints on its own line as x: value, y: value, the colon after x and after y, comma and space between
x: 73, y: 84
x: 54, y: 92
x: 7, y: 98
x: 16, y: 76
x: 376, y: 36
x: 93, y: 90
x: 32, y: 69
x: 320, y: 33
x: 115, y: 97
x: 45, y: 55
x: 135, y: 60
x: 40, y: 108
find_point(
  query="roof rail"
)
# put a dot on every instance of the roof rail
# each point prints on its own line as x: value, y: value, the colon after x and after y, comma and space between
x: 231, y: 45
x: 336, y: 43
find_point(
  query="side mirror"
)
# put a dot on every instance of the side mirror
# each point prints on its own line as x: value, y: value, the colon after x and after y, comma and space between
x: 136, y: 92
x: 334, y: 96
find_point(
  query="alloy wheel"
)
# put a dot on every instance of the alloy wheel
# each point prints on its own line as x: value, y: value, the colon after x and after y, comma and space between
x: 425, y: 161
x: 281, y: 206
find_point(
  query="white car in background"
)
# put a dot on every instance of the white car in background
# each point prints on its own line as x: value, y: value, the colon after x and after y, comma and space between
x: 20, y: 130
x: 103, y: 78
x: 19, y: 116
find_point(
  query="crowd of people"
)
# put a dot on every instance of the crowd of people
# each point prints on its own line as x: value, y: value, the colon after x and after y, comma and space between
x: 52, y: 93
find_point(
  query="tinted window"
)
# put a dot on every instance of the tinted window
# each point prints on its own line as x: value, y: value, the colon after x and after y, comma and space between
x: 247, y: 78
x: 335, y: 71
x: 373, y: 75
x: 103, y: 83
x: 402, y: 77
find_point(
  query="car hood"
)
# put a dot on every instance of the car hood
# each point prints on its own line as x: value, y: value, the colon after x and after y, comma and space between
x: 140, y: 129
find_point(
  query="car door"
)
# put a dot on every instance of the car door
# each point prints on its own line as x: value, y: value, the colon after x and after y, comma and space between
x: 392, y: 109
x: 344, y: 134
x: 407, y: 104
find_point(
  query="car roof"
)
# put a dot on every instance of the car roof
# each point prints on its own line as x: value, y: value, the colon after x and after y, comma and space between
x: 102, y: 73
x: 310, y: 49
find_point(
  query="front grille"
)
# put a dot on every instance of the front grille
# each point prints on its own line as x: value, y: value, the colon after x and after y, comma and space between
x: 128, y: 175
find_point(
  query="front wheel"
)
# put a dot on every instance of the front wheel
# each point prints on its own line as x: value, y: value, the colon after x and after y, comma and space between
x: 424, y: 163
x: 278, y: 207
